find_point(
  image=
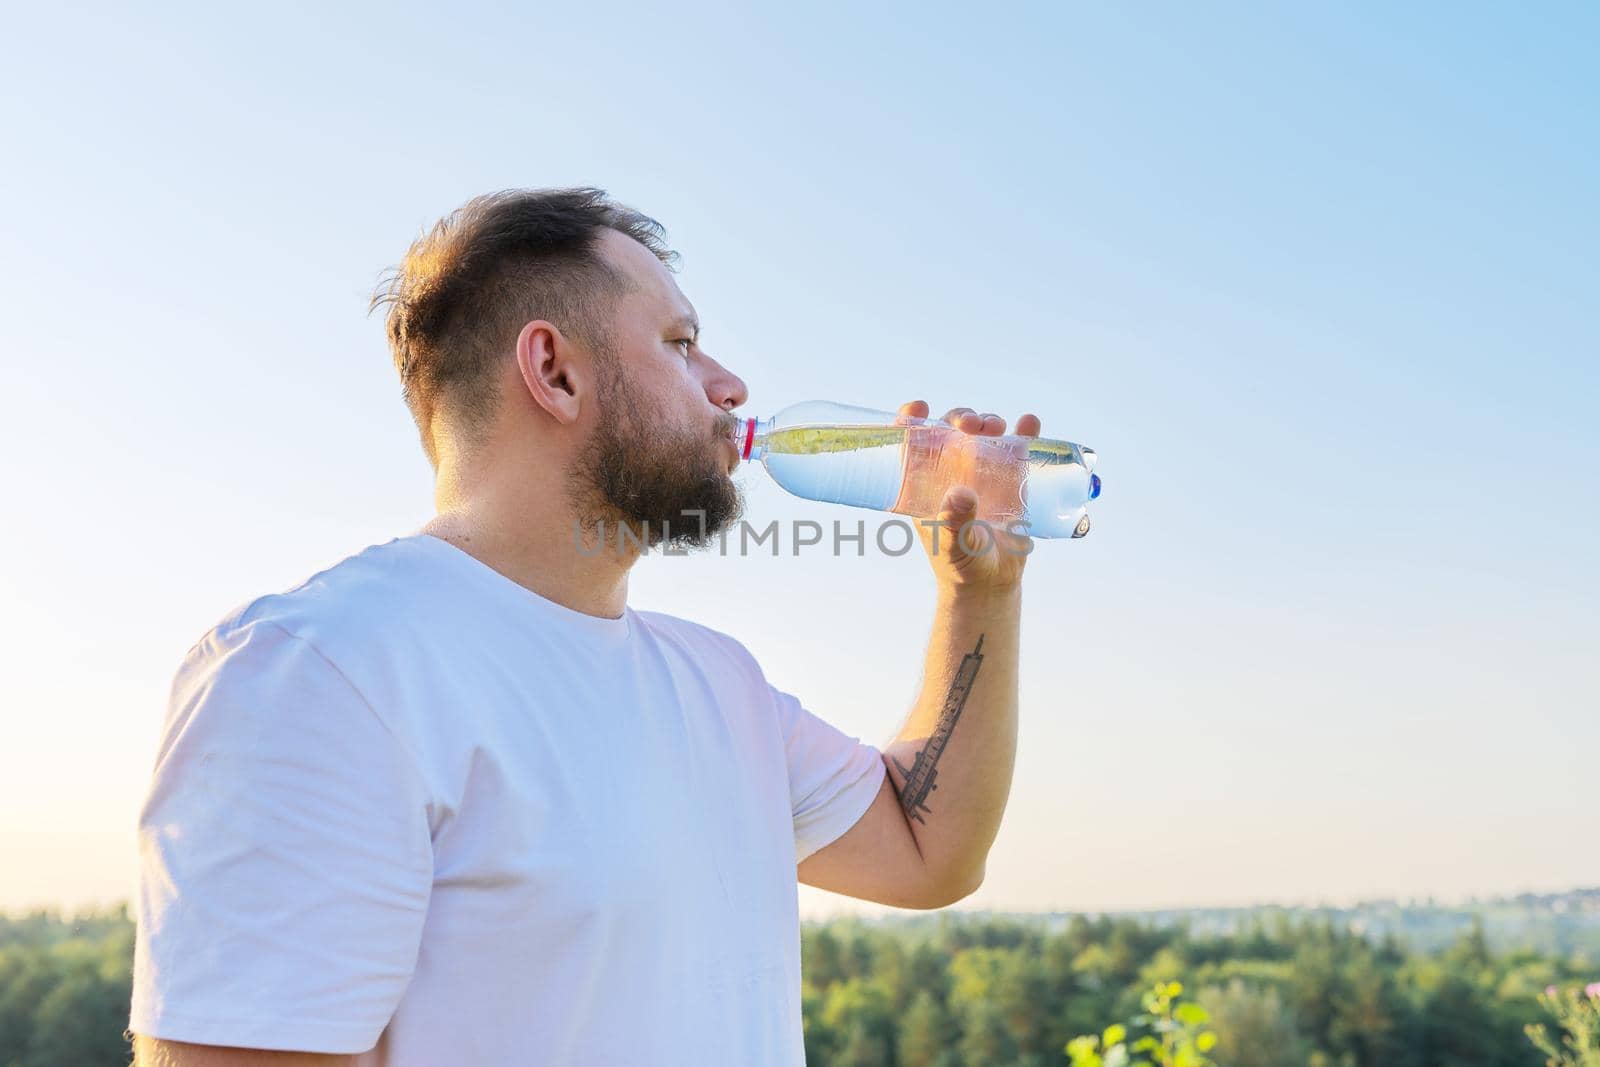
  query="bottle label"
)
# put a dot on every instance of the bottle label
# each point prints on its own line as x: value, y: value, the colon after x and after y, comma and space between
x: 938, y: 457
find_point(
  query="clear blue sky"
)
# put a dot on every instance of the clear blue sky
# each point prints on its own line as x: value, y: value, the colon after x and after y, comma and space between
x: 1317, y: 281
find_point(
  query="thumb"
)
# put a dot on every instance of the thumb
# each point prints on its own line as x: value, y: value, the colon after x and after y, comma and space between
x: 960, y: 504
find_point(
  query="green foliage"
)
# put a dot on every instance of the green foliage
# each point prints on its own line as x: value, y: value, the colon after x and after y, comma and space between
x: 992, y: 992
x: 1171, y: 1034
x: 925, y: 1032
x: 948, y: 990
x: 64, y: 990
x: 1578, y: 1016
x: 1255, y: 1028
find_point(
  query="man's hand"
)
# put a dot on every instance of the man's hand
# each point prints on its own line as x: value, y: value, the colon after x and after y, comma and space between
x: 986, y: 558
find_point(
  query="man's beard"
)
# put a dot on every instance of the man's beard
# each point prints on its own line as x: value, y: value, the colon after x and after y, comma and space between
x: 668, y: 488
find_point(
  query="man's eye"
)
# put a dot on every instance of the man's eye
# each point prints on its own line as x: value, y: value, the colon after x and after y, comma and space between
x: 684, y: 343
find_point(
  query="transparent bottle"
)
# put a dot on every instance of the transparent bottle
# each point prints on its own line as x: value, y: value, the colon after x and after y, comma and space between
x: 877, y: 459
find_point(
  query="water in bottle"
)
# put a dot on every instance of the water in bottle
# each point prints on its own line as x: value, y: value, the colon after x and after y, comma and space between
x: 878, y: 459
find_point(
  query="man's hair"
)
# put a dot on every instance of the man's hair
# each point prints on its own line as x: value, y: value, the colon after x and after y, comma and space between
x: 467, y: 287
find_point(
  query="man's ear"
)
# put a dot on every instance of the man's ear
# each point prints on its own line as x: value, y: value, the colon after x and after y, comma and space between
x: 552, y: 371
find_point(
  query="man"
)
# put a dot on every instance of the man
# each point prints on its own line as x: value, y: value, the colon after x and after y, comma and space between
x: 453, y: 802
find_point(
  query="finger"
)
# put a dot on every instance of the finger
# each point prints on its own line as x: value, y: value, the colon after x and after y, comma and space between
x: 954, y: 415
x: 1028, y: 426
x: 914, y: 410
x: 965, y: 419
x: 993, y: 425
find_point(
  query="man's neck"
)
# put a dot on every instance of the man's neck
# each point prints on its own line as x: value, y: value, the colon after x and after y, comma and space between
x: 543, y: 550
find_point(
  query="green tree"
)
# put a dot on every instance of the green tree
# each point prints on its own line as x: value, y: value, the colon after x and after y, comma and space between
x: 1254, y: 1027
x: 823, y: 957
x: 863, y: 1048
x: 925, y: 1032
x: 1578, y: 1016
x: 928, y: 968
x: 984, y: 1042
x: 1021, y: 994
x: 859, y: 1011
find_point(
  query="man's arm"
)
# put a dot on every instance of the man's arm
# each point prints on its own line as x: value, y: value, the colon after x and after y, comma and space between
x: 924, y: 841
x: 952, y: 761
x: 153, y: 1052
x: 285, y: 857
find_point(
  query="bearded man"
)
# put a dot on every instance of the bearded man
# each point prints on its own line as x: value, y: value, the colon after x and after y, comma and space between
x: 453, y: 802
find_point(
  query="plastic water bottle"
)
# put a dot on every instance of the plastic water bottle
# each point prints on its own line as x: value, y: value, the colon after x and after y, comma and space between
x: 878, y: 459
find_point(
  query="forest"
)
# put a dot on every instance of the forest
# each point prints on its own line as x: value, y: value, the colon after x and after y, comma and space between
x: 1259, y: 988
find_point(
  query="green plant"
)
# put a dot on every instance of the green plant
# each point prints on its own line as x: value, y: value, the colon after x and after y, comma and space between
x: 1175, y: 1035
x: 1577, y: 1012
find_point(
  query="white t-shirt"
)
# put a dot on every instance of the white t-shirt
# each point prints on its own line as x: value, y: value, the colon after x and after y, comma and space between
x: 414, y: 808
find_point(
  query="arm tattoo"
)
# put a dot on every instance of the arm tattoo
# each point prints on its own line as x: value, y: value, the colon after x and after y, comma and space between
x: 919, y: 779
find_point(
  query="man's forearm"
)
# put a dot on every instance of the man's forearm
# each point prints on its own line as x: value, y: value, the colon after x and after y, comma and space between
x: 952, y: 761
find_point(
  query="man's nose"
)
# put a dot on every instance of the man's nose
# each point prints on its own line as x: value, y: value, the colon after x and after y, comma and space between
x: 725, y: 388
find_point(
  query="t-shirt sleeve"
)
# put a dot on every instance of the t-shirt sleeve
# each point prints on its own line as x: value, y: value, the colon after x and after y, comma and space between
x: 285, y: 856
x: 833, y: 777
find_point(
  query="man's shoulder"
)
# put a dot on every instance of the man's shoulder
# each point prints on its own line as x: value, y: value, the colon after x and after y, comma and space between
x: 292, y: 659
x: 364, y: 594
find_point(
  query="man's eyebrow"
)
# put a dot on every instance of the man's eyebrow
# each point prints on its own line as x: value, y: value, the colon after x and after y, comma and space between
x: 690, y: 323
